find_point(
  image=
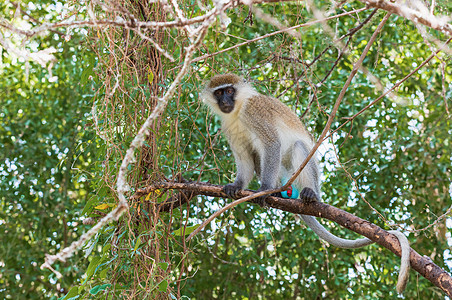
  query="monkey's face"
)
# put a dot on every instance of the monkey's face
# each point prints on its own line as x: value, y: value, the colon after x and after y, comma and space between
x: 225, y: 98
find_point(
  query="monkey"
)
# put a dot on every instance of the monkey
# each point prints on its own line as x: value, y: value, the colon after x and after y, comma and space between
x: 268, y: 138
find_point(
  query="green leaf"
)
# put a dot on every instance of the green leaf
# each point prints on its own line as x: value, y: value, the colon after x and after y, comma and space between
x: 72, y: 294
x: 137, y: 244
x: 163, y: 286
x: 106, y: 248
x: 89, y: 205
x: 188, y: 230
x: 92, y: 267
x: 99, y: 288
x: 163, y: 265
x: 103, y: 274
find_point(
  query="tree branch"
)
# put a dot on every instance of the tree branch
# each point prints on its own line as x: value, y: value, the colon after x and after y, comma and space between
x: 420, y: 15
x: 422, y: 264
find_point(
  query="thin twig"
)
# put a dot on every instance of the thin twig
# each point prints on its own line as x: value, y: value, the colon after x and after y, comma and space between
x: 355, y: 69
x: 277, y: 32
x: 395, y: 86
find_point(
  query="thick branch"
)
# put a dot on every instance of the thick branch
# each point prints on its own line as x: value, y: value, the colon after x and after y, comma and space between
x: 422, y: 264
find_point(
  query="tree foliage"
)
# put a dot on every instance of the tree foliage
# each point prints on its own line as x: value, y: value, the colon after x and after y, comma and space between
x: 64, y: 136
x: 45, y: 154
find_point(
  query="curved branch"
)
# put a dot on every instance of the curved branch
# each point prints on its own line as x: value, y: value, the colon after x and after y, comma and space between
x: 422, y: 264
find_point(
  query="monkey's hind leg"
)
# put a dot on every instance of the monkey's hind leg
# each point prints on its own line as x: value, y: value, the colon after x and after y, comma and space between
x: 309, y: 177
x: 307, y: 194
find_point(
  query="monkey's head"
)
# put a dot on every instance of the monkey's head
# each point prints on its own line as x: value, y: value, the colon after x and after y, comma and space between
x: 225, y: 93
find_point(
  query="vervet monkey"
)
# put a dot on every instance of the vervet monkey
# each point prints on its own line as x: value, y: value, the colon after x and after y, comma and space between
x: 266, y: 137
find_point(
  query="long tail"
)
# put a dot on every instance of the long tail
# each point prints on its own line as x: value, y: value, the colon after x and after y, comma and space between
x: 405, y: 265
x: 309, y: 178
x: 324, y: 234
x: 331, y: 238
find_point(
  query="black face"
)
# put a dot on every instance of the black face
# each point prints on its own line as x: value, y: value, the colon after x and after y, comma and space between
x: 225, y: 98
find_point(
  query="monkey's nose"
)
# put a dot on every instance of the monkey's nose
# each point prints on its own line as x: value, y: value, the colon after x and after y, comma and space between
x: 226, y: 107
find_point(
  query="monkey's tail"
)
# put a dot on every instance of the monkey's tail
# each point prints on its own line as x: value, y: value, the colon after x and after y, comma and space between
x: 351, y: 244
x: 404, y: 272
x: 331, y: 238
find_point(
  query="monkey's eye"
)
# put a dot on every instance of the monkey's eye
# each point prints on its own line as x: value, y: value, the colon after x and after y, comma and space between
x: 230, y: 91
x: 218, y: 93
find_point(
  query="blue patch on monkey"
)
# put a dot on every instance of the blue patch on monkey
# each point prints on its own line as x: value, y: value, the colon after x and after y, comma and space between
x: 291, y: 193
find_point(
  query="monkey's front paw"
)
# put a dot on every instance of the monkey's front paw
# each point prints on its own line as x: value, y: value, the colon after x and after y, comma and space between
x: 232, y: 191
x: 307, y: 194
